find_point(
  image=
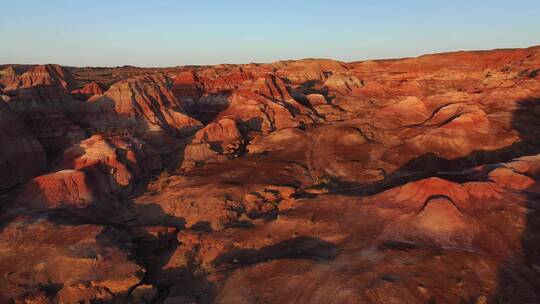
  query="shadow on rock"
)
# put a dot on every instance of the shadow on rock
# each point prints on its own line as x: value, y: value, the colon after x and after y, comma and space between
x: 303, y: 247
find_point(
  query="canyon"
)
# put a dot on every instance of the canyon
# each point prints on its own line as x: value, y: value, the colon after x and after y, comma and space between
x: 413, y: 180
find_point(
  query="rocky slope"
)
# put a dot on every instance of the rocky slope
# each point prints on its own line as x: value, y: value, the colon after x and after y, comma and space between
x: 410, y: 180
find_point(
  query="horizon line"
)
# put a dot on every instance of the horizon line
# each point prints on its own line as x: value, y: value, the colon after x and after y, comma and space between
x: 281, y: 60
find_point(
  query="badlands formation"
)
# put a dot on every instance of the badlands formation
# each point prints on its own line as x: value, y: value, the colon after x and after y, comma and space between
x: 313, y: 181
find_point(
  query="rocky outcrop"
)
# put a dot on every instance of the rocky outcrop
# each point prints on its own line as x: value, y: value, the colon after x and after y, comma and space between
x: 64, y: 188
x: 217, y: 141
x: 8, y: 76
x: 147, y: 104
x: 40, y: 96
x: 186, y: 84
x: 98, y: 169
x: 46, y: 84
x: 43, y: 76
x: 306, y: 70
x: 125, y: 160
x: 87, y: 91
x: 265, y: 105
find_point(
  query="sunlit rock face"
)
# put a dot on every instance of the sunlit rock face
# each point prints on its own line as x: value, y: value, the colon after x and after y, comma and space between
x: 311, y: 181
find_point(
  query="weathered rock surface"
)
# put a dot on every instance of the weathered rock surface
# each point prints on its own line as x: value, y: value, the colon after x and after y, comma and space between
x: 50, y: 78
x: 88, y: 90
x: 147, y: 103
x: 73, y: 263
x: 8, y: 75
x: 40, y: 96
x: 217, y: 141
x: 21, y: 155
x: 313, y: 181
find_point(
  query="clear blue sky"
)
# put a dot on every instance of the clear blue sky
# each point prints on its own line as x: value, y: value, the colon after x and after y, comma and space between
x: 168, y: 33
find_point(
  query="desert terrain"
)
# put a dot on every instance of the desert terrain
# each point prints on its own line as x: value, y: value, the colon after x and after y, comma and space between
x: 412, y: 180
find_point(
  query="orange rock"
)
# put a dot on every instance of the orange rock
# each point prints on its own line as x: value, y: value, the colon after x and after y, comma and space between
x: 88, y: 90
x: 147, y: 103
x: 508, y: 178
x: 44, y: 75
x: 68, y: 188
x: 186, y: 84
x: 316, y: 99
x: 216, y: 141
x: 120, y: 160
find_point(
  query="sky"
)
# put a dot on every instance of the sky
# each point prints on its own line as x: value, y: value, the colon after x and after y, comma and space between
x: 170, y: 33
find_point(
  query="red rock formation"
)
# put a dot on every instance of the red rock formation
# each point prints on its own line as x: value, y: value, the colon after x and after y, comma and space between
x: 412, y: 180
x: 41, y: 99
x: 95, y: 170
x: 50, y: 75
x: 88, y: 90
x: 217, y: 141
x: 59, y: 189
x: 266, y: 105
x: 147, y: 103
x: 8, y: 76
x: 186, y: 85
x: 124, y: 160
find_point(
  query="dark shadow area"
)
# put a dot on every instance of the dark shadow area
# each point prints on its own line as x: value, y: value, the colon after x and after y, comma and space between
x: 519, y: 279
x: 154, y: 252
x: 302, y: 247
x: 301, y: 92
x: 153, y: 215
x: 196, y: 101
x: 207, y: 107
x: 50, y: 289
x: 181, y: 285
x: 252, y: 124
